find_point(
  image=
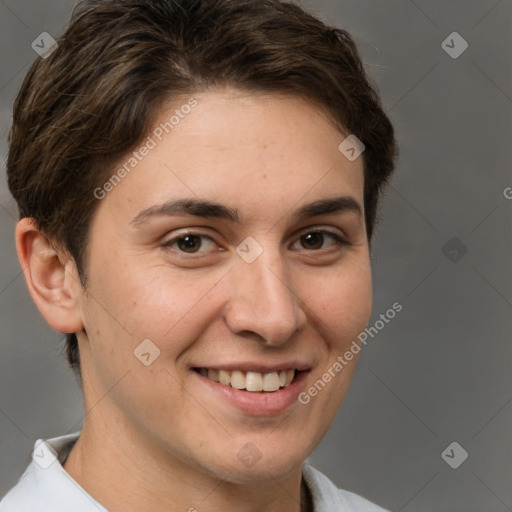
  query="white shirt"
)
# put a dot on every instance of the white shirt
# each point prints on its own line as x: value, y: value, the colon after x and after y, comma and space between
x: 45, y: 486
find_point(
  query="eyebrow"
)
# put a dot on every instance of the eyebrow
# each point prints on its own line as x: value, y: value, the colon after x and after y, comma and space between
x: 211, y: 209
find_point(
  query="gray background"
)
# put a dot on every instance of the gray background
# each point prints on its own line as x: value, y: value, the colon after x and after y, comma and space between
x: 440, y: 371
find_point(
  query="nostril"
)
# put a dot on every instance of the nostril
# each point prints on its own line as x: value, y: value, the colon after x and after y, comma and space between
x: 252, y: 336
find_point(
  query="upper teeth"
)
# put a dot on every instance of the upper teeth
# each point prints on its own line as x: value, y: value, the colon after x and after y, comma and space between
x: 250, y: 381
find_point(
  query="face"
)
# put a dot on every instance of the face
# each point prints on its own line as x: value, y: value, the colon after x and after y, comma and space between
x: 234, y: 250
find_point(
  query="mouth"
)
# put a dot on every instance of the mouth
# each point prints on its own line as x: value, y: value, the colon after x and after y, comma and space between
x: 251, y: 381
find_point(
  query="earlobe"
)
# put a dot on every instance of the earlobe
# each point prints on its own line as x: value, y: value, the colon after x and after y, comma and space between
x: 49, y: 279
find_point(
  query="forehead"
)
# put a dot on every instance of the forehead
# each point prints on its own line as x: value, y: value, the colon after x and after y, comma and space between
x: 261, y: 153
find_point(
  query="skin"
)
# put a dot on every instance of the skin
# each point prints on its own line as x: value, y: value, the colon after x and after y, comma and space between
x: 154, y: 437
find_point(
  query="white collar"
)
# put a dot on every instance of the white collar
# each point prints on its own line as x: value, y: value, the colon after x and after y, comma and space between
x: 47, y: 486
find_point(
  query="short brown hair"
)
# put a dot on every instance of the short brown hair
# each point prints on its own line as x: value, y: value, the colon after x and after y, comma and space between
x: 81, y: 109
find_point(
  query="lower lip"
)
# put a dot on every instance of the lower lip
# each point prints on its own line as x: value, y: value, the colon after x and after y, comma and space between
x: 262, y: 403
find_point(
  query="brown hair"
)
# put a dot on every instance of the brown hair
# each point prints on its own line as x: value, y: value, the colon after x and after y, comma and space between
x: 96, y: 96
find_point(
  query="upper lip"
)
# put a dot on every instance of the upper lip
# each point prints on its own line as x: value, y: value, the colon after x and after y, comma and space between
x: 248, y: 366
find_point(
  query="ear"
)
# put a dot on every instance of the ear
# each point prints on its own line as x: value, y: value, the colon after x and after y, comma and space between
x: 51, y: 278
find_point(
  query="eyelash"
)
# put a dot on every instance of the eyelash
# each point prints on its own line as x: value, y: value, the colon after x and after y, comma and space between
x: 340, y: 241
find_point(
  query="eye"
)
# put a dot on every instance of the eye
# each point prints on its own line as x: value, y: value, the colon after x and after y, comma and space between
x: 191, y: 243
x: 317, y: 240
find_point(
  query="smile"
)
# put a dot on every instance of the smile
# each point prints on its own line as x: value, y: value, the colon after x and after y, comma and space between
x: 250, y: 381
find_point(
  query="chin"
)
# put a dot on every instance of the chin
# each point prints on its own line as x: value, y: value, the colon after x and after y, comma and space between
x: 251, y: 464
x: 276, y: 462
x: 264, y: 471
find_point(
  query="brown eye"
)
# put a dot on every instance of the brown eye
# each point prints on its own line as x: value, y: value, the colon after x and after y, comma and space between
x: 317, y: 240
x: 189, y: 243
x: 312, y: 241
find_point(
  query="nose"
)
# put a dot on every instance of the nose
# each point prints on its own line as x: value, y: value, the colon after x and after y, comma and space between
x: 263, y: 304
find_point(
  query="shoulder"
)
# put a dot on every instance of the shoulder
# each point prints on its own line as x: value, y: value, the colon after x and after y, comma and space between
x: 20, y: 498
x: 328, y: 498
x: 45, y: 486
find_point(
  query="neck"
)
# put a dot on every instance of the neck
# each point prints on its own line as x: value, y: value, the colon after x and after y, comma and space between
x: 122, y: 473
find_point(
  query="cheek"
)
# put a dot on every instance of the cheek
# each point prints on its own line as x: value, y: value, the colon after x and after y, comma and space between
x: 158, y: 303
x: 341, y: 301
